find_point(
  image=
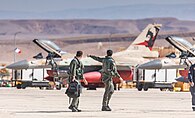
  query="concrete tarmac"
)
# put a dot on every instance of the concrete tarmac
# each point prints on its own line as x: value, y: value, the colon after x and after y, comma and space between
x: 127, y: 103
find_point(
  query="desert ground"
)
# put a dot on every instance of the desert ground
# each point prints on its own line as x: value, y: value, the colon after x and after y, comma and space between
x: 126, y: 103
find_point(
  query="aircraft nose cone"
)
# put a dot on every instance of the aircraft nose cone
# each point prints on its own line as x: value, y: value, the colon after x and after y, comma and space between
x: 19, y: 65
x: 155, y: 64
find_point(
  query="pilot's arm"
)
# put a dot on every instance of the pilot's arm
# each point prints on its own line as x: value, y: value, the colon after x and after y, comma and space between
x: 96, y: 58
x: 115, y: 72
x: 112, y: 69
x: 73, y: 66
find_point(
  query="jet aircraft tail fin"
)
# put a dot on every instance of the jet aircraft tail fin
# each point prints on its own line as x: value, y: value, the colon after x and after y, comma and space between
x: 142, y: 45
x: 146, y: 38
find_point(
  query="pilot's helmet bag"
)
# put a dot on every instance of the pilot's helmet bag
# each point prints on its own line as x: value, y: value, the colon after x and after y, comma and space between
x: 73, y: 90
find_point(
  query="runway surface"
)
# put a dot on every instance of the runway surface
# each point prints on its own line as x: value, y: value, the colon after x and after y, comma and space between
x: 127, y: 103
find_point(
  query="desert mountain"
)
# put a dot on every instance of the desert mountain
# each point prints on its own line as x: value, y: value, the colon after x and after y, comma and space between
x: 54, y: 29
x: 60, y: 28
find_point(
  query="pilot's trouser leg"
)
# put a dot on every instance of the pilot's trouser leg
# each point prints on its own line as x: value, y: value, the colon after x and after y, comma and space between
x: 75, y: 102
x: 192, y: 90
x: 109, y: 89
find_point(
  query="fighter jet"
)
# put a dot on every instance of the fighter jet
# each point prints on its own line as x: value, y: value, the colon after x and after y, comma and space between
x: 186, y: 57
x: 138, y: 52
x: 183, y: 61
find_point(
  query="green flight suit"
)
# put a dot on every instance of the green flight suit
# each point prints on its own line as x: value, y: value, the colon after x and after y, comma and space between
x: 76, y: 69
x: 109, y: 71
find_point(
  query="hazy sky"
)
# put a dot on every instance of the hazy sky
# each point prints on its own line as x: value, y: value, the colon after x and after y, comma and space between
x: 56, y: 5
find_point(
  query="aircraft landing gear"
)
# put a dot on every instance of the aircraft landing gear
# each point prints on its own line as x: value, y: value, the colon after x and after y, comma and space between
x: 145, y: 87
x: 139, y: 86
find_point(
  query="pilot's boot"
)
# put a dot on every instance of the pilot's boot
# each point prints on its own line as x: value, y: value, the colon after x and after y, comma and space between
x: 70, y: 107
x: 105, y: 108
x: 78, y: 110
x: 74, y: 109
x: 109, y: 108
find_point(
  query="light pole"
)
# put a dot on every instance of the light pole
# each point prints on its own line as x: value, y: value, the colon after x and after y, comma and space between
x: 14, y: 72
x: 15, y: 45
x: 110, y: 36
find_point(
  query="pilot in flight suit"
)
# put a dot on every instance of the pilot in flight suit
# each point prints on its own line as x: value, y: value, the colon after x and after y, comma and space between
x: 109, y: 71
x: 191, y: 78
x: 76, y: 74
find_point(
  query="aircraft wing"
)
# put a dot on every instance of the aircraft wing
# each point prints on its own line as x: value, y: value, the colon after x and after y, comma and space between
x: 62, y: 64
x: 25, y: 64
x: 165, y: 63
x: 124, y: 67
x: 99, y: 67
